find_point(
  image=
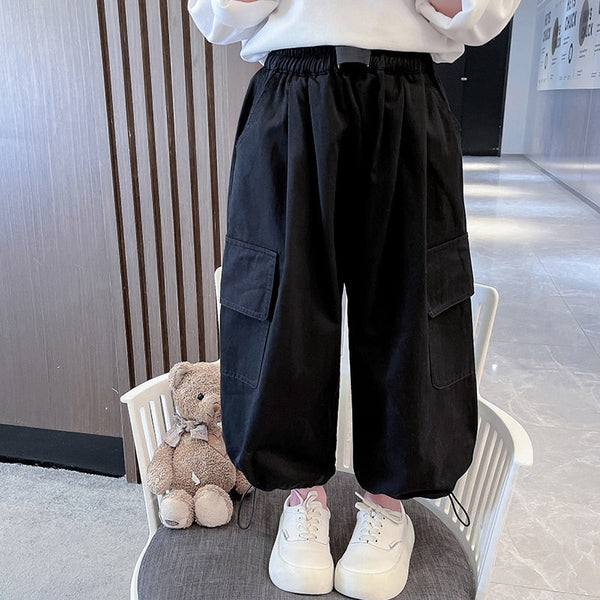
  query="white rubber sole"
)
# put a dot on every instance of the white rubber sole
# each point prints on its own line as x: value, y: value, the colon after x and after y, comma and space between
x: 374, y: 586
x: 291, y: 578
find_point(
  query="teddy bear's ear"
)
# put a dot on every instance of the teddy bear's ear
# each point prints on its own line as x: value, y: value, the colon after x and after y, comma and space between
x: 178, y: 372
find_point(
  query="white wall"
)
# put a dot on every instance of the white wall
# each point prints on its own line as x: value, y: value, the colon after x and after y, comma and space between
x: 561, y: 133
x: 519, y: 78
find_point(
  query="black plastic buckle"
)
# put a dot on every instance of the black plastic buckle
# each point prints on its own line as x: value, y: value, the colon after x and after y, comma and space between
x: 352, y: 54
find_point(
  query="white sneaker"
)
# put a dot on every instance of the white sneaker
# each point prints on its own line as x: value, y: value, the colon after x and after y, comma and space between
x: 375, y: 564
x: 301, y: 560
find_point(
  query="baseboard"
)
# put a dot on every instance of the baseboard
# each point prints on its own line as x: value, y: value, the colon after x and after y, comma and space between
x: 98, y: 454
x: 591, y: 203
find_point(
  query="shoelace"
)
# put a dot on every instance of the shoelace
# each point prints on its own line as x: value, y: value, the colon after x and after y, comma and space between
x: 372, y: 523
x: 308, y: 521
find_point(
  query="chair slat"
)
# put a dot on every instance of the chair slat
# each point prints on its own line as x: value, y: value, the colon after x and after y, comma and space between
x: 158, y: 421
x: 474, y: 469
x: 490, y: 491
x: 168, y: 411
x: 479, y: 497
x: 484, y: 546
x: 149, y: 441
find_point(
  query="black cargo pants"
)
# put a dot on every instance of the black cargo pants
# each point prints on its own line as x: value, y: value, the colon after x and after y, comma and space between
x: 348, y: 175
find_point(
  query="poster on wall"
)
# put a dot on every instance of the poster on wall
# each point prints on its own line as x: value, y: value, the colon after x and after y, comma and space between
x: 570, y: 44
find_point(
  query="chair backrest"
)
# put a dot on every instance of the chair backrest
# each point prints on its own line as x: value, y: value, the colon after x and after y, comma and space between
x: 151, y: 413
x: 485, y: 490
x: 483, y: 307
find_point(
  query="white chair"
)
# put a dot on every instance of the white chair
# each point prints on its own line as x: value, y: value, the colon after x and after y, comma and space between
x: 484, y: 490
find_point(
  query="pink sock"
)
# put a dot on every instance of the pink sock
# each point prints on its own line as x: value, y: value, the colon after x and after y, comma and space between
x: 385, y: 501
x: 321, y: 495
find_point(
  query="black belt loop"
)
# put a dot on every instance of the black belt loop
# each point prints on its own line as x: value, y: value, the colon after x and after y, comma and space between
x: 352, y: 54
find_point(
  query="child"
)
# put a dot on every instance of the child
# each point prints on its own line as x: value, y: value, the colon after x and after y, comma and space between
x: 347, y: 170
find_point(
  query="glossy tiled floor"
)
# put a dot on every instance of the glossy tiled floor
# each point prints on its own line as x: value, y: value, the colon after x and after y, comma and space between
x: 539, y: 246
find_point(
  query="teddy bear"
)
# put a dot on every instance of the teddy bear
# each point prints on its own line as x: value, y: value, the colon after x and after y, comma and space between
x: 191, y: 465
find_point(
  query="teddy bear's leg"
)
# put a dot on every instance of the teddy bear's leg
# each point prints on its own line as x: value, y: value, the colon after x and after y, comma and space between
x: 177, y: 510
x: 213, y: 506
x: 241, y: 483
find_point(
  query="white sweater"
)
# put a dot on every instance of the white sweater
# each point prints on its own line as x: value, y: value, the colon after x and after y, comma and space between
x: 406, y: 25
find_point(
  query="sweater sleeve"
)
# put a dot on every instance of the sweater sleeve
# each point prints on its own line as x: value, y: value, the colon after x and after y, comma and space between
x: 478, y: 22
x: 228, y: 21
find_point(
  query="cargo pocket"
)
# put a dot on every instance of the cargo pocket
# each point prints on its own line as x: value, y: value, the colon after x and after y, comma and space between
x: 247, y: 282
x: 449, y: 290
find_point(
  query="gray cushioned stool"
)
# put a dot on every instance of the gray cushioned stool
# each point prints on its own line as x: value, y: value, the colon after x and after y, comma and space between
x: 230, y: 563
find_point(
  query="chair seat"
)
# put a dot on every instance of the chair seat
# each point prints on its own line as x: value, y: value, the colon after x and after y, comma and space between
x: 228, y: 562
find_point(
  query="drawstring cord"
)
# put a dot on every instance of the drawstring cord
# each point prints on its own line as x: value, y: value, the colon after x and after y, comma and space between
x: 455, y: 511
x: 250, y: 487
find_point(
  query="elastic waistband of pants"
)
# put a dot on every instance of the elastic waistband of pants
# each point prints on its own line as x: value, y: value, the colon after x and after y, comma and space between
x: 315, y: 59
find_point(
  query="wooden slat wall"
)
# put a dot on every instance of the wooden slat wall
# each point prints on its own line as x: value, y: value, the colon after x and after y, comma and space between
x: 117, y: 121
x: 161, y: 174
x: 164, y: 180
x: 174, y: 107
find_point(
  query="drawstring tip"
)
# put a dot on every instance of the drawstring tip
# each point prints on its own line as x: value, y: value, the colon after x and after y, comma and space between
x: 250, y: 487
x: 451, y: 495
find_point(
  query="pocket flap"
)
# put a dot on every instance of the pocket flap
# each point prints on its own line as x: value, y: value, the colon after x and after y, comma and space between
x: 247, y: 278
x: 449, y: 275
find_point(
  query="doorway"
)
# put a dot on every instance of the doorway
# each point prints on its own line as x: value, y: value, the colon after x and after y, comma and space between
x: 476, y: 87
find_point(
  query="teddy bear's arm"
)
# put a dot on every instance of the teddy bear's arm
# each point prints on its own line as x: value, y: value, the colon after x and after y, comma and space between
x: 160, y: 470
